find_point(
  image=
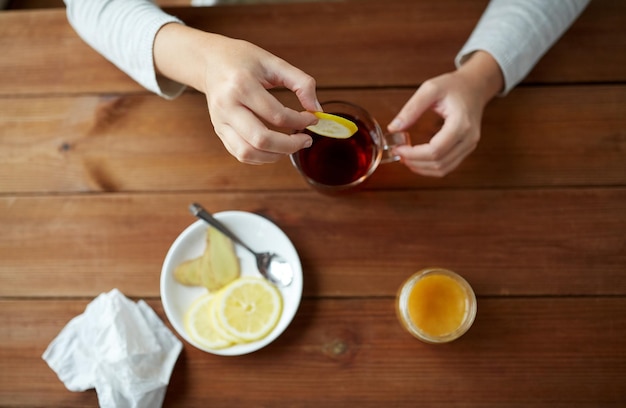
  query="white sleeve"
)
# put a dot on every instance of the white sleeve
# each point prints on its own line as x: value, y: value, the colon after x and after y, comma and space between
x: 123, y: 31
x: 517, y: 33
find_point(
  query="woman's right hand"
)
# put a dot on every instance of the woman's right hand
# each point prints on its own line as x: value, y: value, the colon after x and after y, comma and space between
x: 235, y: 76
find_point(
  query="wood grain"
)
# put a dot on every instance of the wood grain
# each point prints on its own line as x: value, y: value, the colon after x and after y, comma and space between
x: 96, y: 175
x: 38, y: 4
x: 574, y: 136
x: 410, y: 41
x: 519, y: 352
x: 522, y: 242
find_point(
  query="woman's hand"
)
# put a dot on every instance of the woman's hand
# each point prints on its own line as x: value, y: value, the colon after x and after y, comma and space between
x: 459, y: 98
x: 235, y: 76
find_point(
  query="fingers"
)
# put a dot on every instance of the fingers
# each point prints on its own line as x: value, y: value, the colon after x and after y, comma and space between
x: 243, y: 151
x: 461, y: 110
x: 423, y: 99
x: 444, y: 152
x: 242, y: 117
x: 247, y: 138
x: 254, y: 126
x: 265, y: 106
x: 434, y: 167
x: 300, y: 83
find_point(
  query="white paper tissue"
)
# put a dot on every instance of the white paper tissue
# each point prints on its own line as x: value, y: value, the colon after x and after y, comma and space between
x: 120, y: 348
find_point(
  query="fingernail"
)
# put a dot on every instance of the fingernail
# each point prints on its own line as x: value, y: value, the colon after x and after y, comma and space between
x: 395, y: 124
x: 308, y: 143
x: 318, y: 106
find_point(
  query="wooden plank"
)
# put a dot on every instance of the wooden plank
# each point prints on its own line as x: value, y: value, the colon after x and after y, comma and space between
x: 552, y: 352
x: 37, y: 4
x: 572, y: 57
x: 42, y: 54
x: 520, y: 242
x: 551, y: 136
x: 96, y: 175
x: 413, y: 41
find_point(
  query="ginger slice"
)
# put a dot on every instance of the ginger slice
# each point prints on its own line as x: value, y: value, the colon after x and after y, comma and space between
x: 223, y: 264
x: 215, y: 268
x: 189, y: 272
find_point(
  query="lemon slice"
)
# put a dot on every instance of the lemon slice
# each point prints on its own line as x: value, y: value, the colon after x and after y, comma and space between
x: 199, y: 326
x: 333, y: 126
x: 249, y: 308
x: 215, y: 323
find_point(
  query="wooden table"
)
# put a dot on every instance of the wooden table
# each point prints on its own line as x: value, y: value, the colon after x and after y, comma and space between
x: 96, y: 175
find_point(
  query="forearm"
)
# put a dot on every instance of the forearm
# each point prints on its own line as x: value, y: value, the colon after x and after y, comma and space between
x: 181, y: 52
x: 482, y: 72
x: 123, y: 31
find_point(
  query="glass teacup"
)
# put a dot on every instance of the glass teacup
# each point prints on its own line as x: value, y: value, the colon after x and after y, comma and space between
x: 333, y: 165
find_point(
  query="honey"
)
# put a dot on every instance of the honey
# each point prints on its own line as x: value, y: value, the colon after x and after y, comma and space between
x: 436, y: 305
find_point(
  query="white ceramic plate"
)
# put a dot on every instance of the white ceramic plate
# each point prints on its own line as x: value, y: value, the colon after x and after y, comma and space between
x: 258, y: 233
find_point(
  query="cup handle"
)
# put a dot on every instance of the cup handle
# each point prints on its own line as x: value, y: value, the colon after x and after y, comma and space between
x: 392, y: 140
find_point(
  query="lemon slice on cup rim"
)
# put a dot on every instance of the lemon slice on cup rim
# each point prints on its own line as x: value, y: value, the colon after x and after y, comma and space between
x: 334, y: 126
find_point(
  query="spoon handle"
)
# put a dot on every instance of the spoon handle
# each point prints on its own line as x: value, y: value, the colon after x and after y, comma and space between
x: 200, y: 212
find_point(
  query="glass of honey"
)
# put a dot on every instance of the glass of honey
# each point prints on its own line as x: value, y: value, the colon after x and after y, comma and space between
x: 436, y: 305
x: 334, y: 165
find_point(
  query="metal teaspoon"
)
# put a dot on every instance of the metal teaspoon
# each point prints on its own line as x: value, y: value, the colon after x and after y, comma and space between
x: 271, y: 266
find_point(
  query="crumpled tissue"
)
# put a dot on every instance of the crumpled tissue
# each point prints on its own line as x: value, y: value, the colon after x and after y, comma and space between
x: 120, y: 348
